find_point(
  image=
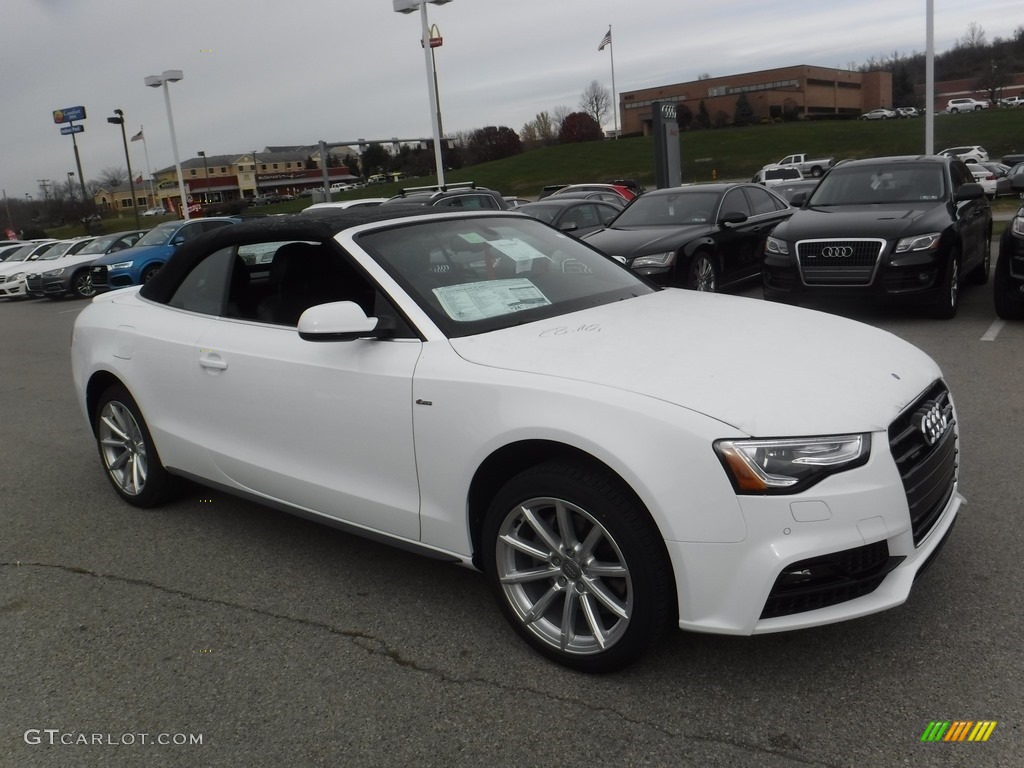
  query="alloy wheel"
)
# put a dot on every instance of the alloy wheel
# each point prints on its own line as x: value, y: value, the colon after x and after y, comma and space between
x: 564, y: 576
x: 123, y: 448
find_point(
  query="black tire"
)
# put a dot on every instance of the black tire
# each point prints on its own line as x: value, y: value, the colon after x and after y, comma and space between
x: 979, y: 275
x: 702, y: 274
x: 81, y: 284
x: 603, y: 560
x: 149, y: 272
x: 1008, y: 299
x: 816, y: 172
x: 948, y: 299
x: 127, y: 452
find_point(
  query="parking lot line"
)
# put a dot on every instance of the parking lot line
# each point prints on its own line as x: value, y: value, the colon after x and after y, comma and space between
x: 993, y: 330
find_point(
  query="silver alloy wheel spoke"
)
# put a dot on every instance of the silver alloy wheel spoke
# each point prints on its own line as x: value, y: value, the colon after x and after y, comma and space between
x: 563, y: 575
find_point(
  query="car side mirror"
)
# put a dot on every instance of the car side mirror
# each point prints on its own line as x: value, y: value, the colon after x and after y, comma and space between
x: 732, y: 218
x: 970, y: 191
x: 569, y: 226
x: 342, y: 321
x: 177, y: 240
x: 798, y: 200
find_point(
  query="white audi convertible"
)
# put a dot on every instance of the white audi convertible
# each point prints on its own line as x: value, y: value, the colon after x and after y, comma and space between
x: 480, y: 387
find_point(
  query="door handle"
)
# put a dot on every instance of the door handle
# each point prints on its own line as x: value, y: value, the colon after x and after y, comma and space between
x: 213, y: 362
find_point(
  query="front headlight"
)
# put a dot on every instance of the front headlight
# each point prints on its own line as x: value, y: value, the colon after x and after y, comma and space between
x: 54, y: 272
x: 789, y: 465
x: 655, y: 260
x: 15, y: 276
x: 1017, y: 227
x: 122, y: 265
x: 918, y: 242
x: 774, y: 245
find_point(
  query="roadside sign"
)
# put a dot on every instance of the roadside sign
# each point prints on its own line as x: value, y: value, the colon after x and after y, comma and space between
x: 66, y: 129
x: 68, y: 114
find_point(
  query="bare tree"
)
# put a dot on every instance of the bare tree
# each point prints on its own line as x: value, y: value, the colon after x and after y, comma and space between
x: 559, y: 113
x: 113, y: 176
x: 595, y: 101
x: 704, y: 76
x: 975, y: 37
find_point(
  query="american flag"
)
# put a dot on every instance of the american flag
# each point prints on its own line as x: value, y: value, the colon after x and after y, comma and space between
x: 606, y: 40
x: 138, y: 136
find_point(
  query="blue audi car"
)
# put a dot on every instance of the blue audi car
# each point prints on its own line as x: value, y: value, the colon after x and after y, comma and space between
x: 136, y: 265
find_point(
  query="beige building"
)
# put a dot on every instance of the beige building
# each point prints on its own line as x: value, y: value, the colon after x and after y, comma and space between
x: 801, y: 92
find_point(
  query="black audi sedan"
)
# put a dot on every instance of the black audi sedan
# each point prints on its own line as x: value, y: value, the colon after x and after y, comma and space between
x: 700, y: 236
x: 899, y: 228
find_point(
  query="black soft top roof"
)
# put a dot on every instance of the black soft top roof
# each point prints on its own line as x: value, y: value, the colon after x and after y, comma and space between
x: 319, y: 225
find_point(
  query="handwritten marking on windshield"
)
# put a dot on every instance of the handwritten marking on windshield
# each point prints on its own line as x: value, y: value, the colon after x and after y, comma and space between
x: 565, y: 331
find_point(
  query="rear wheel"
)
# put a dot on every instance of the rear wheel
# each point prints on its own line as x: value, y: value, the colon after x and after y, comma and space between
x: 127, y: 451
x: 577, y: 566
x: 979, y: 275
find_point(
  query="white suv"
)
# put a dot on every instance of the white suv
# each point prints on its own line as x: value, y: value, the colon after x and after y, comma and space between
x: 965, y: 105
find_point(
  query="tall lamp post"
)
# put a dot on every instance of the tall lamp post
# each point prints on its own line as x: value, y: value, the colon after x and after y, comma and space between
x: 71, y: 185
x: 206, y: 178
x: 118, y: 119
x: 410, y: 6
x: 156, y: 81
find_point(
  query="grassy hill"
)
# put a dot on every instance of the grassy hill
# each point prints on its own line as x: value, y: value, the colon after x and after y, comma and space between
x: 731, y: 153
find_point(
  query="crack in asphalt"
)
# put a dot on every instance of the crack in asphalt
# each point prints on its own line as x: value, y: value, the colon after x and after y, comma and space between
x: 374, y: 645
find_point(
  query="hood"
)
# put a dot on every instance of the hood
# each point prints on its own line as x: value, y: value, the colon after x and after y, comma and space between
x: 128, y: 254
x: 770, y: 370
x: 629, y: 242
x: 890, y: 222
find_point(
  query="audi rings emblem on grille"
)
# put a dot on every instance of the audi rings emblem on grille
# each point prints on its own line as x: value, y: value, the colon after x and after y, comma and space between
x: 836, y: 252
x: 932, y: 422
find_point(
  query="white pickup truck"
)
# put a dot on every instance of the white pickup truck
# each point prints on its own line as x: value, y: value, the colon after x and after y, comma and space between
x: 807, y: 167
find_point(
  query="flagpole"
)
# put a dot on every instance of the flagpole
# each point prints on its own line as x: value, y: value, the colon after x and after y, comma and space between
x: 615, y: 103
x: 149, y: 171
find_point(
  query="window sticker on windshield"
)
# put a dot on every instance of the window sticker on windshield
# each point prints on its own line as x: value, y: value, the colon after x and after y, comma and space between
x: 472, y: 237
x: 479, y: 301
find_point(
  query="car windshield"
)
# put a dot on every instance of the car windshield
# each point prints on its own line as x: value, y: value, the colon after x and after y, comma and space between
x: 28, y: 250
x: 99, y: 245
x: 57, y: 251
x: 881, y: 184
x: 677, y: 208
x: 543, y: 212
x: 160, y: 234
x: 478, y: 274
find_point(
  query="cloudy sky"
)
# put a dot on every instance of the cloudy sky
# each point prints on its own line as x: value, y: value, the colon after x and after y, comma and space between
x: 267, y: 72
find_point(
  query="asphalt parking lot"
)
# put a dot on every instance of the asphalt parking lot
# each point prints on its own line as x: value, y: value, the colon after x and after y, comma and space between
x: 218, y: 632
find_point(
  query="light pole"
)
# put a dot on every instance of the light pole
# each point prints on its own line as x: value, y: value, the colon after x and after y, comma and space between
x: 410, y: 6
x: 155, y: 81
x: 206, y: 179
x: 118, y: 119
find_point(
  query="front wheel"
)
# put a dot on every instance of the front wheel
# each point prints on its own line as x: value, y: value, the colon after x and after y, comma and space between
x: 81, y: 285
x: 150, y: 273
x: 948, y: 300
x: 703, y: 274
x: 577, y: 566
x: 1006, y: 293
x: 127, y: 451
x: 816, y: 171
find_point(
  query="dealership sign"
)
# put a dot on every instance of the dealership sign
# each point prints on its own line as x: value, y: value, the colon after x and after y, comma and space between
x: 66, y: 129
x: 68, y: 115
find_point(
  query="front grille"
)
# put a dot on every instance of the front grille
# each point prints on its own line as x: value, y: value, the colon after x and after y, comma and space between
x: 923, y: 442
x: 819, y: 582
x: 99, y: 276
x: 34, y: 283
x: 839, y: 262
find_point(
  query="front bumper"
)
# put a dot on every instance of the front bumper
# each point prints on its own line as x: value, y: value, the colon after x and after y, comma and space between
x: 13, y: 289
x: 850, y: 546
x: 40, y: 286
x: 915, y: 276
